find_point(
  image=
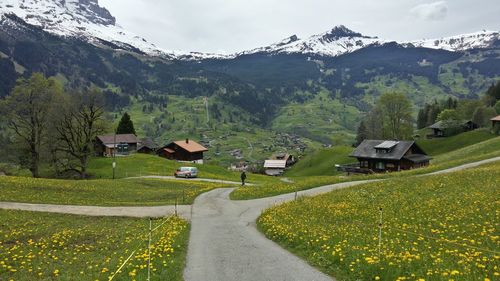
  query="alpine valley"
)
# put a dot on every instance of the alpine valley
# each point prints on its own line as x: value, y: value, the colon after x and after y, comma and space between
x: 294, y: 94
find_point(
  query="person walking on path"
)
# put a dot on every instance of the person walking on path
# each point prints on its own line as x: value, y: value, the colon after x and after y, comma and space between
x: 243, y: 178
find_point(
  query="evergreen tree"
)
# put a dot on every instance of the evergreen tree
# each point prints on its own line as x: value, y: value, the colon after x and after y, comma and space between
x: 362, y: 133
x: 126, y: 126
x: 422, y: 117
x: 494, y: 93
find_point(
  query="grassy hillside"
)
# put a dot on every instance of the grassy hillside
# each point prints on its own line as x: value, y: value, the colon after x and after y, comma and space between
x: 322, y: 162
x: 434, y: 228
x: 120, y: 192
x: 40, y: 246
x: 442, y: 145
x: 476, y: 152
x: 320, y: 118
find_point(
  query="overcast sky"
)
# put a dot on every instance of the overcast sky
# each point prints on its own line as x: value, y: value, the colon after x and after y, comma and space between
x: 226, y: 26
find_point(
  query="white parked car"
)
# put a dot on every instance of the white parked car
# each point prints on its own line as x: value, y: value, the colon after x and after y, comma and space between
x: 186, y: 172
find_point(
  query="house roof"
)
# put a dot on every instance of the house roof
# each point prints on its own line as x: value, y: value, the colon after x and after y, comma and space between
x: 279, y: 164
x: 367, y: 149
x: 110, y: 139
x: 418, y: 158
x: 191, y: 146
x: 440, y: 125
x: 148, y: 143
x: 169, y: 150
x: 495, y: 118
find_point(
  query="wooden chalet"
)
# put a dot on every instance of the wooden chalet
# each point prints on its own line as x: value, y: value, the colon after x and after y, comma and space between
x: 278, y: 163
x: 376, y: 156
x: 147, y: 146
x: 495, y: 121
x: 444, y: 129
x: 123, y: 144
x: 185, y: 150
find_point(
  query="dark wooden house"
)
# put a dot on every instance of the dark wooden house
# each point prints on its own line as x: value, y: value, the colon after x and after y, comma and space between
x: 383, y: 155
x: 446, y: 129
x: 147, y: 146
x: 123, y: 144
x: 186, y: 150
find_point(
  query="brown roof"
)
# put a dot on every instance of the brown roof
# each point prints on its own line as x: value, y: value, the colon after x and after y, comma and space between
x: 169, y: 150
x: 126, y: 138
x: 495, y: 118
x: 191, y: 146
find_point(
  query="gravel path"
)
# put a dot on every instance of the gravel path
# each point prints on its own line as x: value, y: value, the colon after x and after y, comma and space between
x: 137, y: 212
x: 224, y: 244
x: 465, y: 166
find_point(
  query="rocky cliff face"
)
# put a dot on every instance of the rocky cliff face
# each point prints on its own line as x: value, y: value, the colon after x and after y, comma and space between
x: 50, y: 13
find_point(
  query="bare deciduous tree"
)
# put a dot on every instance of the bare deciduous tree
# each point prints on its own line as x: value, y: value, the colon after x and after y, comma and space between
x: 77, y: 126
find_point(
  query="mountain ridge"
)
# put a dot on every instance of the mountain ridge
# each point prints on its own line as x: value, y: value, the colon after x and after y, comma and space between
x: 86, y: 20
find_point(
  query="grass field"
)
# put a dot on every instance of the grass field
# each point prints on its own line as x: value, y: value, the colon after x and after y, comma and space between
x: 129, y: 192
x: 439, y: 146
x: 138, y: 164
x: 39, y: 246
x: 434, y: 228
x: 322, y: 162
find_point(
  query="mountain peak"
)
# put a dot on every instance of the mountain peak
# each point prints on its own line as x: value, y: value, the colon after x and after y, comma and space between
x: 48, y: 13
x: 288, y: 40
x: 343, y: 31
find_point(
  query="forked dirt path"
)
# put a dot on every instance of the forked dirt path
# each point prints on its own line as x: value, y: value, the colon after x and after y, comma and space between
x: 225, y: 244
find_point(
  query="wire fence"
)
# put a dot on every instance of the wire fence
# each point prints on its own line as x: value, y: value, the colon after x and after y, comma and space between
x: 148, y: 237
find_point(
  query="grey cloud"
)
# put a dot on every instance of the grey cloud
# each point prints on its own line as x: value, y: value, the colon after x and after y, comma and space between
x: 431, y: 11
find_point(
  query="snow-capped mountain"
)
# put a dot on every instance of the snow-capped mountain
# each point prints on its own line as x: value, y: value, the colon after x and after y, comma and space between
x: 477, y: 40
x: 341, y: 40
x: 87, y: 20
x: 338, y: 41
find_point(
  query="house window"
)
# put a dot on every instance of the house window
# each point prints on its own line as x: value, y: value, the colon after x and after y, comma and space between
x: 380, y: 166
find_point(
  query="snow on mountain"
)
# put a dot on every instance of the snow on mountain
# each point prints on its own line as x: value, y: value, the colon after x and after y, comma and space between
x: 477, y: 40
x: 338, y: 41
x: 341, y: 40
x: 85, y: 19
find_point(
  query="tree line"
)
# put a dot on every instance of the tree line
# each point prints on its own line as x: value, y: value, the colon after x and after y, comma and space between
x: 391, y: 117
x: 454, y: 112
x: 48, y: 125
